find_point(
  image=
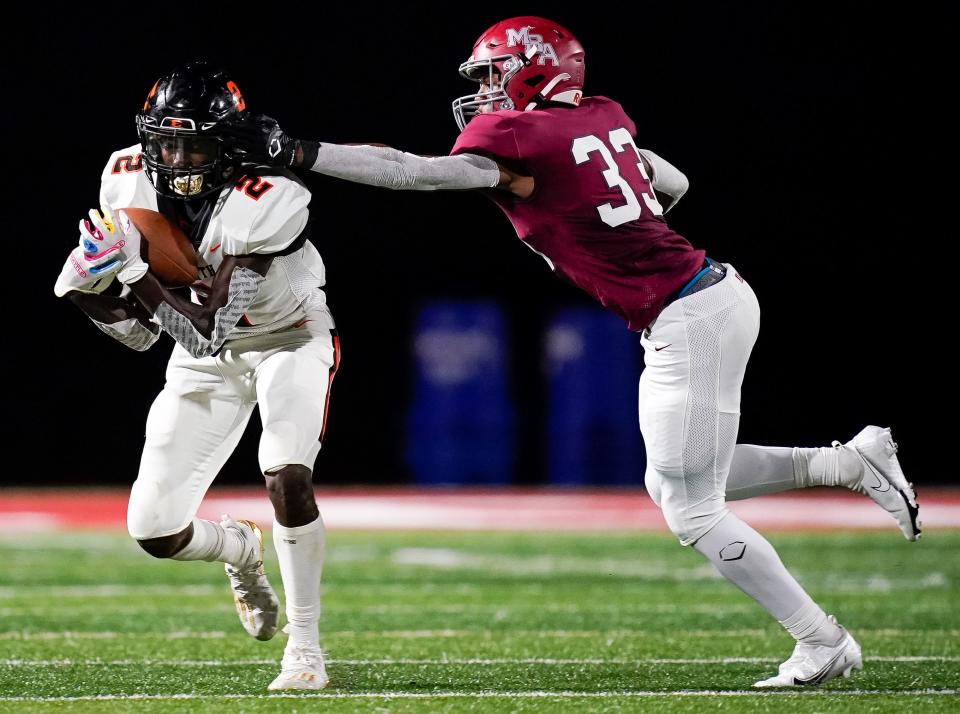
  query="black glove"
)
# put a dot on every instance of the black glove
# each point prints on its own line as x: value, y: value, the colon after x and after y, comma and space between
x: 258, y: 139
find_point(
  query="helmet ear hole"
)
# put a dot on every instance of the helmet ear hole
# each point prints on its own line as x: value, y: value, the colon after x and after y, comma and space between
x: 534, y: 81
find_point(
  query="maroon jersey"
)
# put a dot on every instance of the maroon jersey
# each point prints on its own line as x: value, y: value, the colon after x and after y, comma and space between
x: 593, y: 214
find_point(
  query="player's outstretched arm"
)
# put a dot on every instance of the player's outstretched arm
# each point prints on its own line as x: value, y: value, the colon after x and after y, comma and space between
x: 263, y: 141
x: 399, y: 170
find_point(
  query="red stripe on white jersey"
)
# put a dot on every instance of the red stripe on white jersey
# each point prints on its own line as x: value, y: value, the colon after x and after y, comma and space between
x: 333, y: 371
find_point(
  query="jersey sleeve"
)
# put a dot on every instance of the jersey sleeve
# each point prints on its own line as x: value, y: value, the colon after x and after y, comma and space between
x: 490, y: 135
x: 265, y: 215
x: 124, y: 184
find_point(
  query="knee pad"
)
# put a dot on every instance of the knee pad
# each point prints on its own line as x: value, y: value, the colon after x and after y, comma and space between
x: 651, y: 480
x: 285, y: 442
x: 689, y: 515
x: 150, y: 515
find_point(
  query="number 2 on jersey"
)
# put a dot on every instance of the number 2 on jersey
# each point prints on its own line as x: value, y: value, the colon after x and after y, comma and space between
x: 615, y: 216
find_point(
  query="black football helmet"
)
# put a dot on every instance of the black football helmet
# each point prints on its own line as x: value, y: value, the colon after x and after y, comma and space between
x: 181, y: 128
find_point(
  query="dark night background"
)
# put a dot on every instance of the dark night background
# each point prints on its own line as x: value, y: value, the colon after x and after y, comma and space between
x: 784, y: 120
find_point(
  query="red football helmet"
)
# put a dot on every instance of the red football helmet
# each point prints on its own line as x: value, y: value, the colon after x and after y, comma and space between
x: 521, y: 63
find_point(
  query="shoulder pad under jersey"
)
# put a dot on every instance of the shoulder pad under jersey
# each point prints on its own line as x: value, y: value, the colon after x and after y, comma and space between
x: 263, y: 213
x: 615, y: 109
x: 124, y: 183
x: 489, y: 135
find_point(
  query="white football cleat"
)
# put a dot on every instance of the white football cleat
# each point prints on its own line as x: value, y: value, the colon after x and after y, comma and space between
x: 301, y: 668
x: 256, y: 603
x: 882, y: 478
x: 816, y: 664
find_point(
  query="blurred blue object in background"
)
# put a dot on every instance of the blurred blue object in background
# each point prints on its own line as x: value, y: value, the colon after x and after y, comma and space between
x: 460, y: 428
x: 593, y: 364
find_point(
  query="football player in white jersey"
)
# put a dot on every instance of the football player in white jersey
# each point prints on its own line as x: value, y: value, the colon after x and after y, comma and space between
x: 254, y: 329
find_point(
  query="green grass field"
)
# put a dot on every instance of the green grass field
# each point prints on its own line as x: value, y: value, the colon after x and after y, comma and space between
x: 417, y: 622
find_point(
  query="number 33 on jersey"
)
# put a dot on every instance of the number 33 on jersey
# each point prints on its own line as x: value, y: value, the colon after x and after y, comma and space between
x: 593, y: 214
x: 619, y: 139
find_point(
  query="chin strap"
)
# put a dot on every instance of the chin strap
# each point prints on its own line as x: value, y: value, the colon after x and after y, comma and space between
x: 541, y: 96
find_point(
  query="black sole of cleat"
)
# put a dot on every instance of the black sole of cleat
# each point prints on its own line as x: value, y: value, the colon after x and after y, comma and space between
x: 914, y: 512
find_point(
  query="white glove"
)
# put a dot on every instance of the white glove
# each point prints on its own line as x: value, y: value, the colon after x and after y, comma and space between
x: 110, y: 244
x: 77, y: 276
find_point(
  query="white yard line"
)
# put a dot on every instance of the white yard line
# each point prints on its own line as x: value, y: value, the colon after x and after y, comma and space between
x: 426, y: 634
x: 109, y: 635
x: 514, y: 566
x: 502, y: 695
x: 437, y: 662
x: 224, y: 604
x: 108, y: 590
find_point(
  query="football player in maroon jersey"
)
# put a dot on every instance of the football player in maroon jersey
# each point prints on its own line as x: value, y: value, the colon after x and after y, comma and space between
x: 567, y: 172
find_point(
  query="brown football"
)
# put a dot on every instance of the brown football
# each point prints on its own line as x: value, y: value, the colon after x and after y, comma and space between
x: 164, y: 247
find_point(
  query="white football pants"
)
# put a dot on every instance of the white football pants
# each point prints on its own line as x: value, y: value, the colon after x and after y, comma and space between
x: 196, y: 422
x: 696, y: 355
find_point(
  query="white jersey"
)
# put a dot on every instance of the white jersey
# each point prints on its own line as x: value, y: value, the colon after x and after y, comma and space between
x: 254, y: 215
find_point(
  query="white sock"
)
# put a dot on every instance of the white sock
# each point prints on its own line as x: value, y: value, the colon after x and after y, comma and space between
x: 810, y: 625
x: 300, y: 550
x: 211, y: 541
x: 758, y: 470
x: 826, y: 466
x: 746, y: 559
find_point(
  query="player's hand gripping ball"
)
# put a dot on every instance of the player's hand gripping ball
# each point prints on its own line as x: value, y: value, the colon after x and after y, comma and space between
x: 112, y: 245
x: 76, y: 276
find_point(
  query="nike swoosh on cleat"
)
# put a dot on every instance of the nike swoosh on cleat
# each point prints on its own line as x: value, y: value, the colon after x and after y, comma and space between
x: 818, y: 677
x: 216, y: 248
x: 881, y: 482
